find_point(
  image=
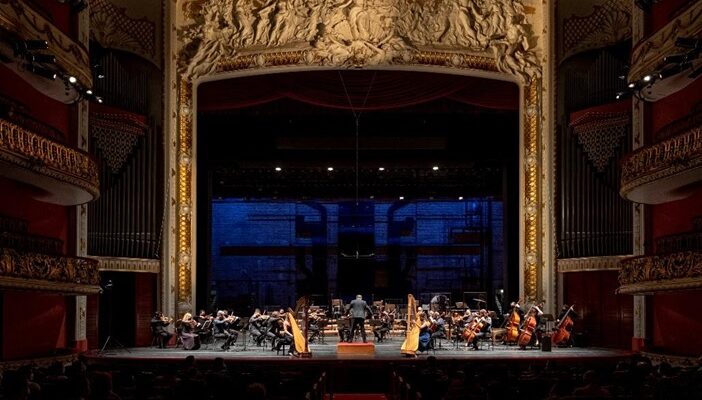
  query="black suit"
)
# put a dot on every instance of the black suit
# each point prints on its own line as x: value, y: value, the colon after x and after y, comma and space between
x: 358, y: 308
x: 158, y: 329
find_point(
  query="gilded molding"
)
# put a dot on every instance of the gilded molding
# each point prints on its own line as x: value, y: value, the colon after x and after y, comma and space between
x: 649, y: 274
x: 662, y: 160
x: 26, y: 149
x: 587, y: 264
x: 532, y: 201
x: 18, y: 17
x: 123, y: 264
x: 184, y: 196
x: 647, y: 56
x: 36, y: 271
x: 608, y: 24
x: 42, y: 362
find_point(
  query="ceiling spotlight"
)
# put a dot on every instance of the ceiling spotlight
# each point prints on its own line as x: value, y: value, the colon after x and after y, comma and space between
x: 673, y: 70
x: 43, y: 72
x: 99, y: 99
x: 381, y: 168
x: 402, y: 197
x: 330, y: 169
x: 278, y: 169
x: 89, y: 92
x: 42, y: 58
x: 72, y: 79
x: 435, y: 168
x: 647, y: 78
x: 619, y: 95
x: 99, y: 72
x: 460, y: 197
x: 30, y: 45
x: 632, y: 85
x: 675, y: 59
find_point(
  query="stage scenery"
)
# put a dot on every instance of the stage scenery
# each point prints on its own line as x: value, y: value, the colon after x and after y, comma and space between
x: 350, y: 199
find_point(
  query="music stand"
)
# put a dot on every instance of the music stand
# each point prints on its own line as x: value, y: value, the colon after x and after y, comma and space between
x: 110, y: 341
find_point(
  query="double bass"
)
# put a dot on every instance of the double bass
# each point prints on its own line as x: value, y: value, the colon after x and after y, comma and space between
x: 512, y: 327
x: 565, y: 326
x: 528, y: 327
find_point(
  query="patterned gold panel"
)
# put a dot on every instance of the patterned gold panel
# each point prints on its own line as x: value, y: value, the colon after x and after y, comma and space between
x: 650, y: 274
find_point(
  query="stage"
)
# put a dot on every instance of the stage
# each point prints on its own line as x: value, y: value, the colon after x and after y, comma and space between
x: 388, y: 351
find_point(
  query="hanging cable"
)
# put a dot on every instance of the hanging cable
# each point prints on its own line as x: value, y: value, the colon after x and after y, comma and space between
x: 357, y: 121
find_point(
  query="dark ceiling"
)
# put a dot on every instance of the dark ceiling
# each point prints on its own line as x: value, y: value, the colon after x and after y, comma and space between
x: 411, y: 122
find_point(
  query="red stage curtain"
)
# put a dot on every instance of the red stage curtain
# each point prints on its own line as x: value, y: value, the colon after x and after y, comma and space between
x: 388, y: 89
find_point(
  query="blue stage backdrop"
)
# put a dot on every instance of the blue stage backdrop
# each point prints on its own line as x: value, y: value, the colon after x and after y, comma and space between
x: 268, y: 253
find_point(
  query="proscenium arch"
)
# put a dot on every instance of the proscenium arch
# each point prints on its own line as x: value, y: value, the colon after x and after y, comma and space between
x: 509, y: 61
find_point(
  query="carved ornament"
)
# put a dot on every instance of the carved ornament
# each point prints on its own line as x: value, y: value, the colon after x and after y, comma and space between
x: 18, y: 17
x: 664, y: 166
x: 354, y: 33
x: 608, y: 24
x: 19, y: 270
x: 122, y: 264
x: 113, y: 28
x: 24, y: 149
x: 587, y: 264
x: 648, y: 55
x: 650, y: 274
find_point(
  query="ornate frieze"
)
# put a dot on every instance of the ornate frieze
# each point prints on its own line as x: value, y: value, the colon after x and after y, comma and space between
x: 116, y: 135
x: 607, y: 24
x: 587, y: 264
x: 29, y: 151
x: 647, y: 56
x: 18, y: 17
x: 653, y: 173
x: 112, y: 27
x: 353, y: 33
x: 19, y: 270
x: 122, y: 264
x: 601, y: 135
x: 659, y: 273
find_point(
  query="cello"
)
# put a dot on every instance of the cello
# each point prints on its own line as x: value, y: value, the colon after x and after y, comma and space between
x: 512, y: 328
x: 528, y: 327
x: 565, y: 326
x: 473, y: 329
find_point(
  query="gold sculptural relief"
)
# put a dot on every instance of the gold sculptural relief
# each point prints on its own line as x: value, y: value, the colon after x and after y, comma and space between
x: 355, y: 33
x: 18, y: 17
x: 681, y: 270
x: 40, y: 154
x: 661, y: 160
x: 42, y: 271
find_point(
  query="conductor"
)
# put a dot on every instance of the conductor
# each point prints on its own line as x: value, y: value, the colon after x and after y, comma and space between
x: 358, y: 309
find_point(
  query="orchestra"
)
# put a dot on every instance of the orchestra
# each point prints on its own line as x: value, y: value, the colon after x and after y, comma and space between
x: 522, y: 327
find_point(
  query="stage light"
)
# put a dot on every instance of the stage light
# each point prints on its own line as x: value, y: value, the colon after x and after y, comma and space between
x: 42, y: 58
x: 402, y: 197
x: 632, y: 85
x: 460, y: 197
x: 278, y: 169
x: 381, y: 168
x: 99, y: 72
x: 99, y: 99
x: 330, y: 169
x: 371, y: 197
x: 619, y: 95
x: 435, y: 168
x: 89, y: 92
x: 675, y: 59
x: 673, y: 70
x: 30, y: 45
x: 647, y: 78
x: 72, y: 79
x: 43, y: 72
x: 688, y: 43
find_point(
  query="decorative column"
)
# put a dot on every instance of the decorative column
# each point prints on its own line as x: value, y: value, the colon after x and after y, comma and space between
x: 81, y: 303
x: 638, y: 129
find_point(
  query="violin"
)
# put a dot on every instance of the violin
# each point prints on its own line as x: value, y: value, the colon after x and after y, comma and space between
x: 512, y: 328
x: 528, y: 328
x: 565, y: 326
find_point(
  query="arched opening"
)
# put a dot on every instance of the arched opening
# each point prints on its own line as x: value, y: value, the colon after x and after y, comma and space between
x: 384, y: 222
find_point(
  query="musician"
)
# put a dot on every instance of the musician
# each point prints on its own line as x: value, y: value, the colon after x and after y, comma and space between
x: 191, y: 340
x: 342, y: 324
x: 256, y: 326
x: 203, y: 317
x: 381, y: 330
x: 484, y: 317
x: 424, y: 333
x: 564, y: 310
x: 284, y: 336
x: 158, y: 329
x: 270, y: 328
x: 358, y: 309
x: 438, y: 325
x: 313, y: 325
x: 224, y: 328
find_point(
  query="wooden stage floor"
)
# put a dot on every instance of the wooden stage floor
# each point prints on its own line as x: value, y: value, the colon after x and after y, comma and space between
x: 388, y: 351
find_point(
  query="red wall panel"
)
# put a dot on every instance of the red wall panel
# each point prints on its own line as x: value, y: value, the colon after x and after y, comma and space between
x: 33, y: 325
x: 675, y: 106
x: 676, y: 216
x: 676, y: 325
x: 664, y: 11
x: 60, y: 15
x: 145, y: 289
x: 606, y: 318
x: 43, y: 218
x: 39, y: 106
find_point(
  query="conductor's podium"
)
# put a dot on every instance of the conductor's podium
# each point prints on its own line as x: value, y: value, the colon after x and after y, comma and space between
x: 355, y: 349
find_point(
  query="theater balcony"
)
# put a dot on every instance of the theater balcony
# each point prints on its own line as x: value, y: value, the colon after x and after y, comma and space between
x: 661, y: 273
x: 63, y: 175
x: 667, y: 170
